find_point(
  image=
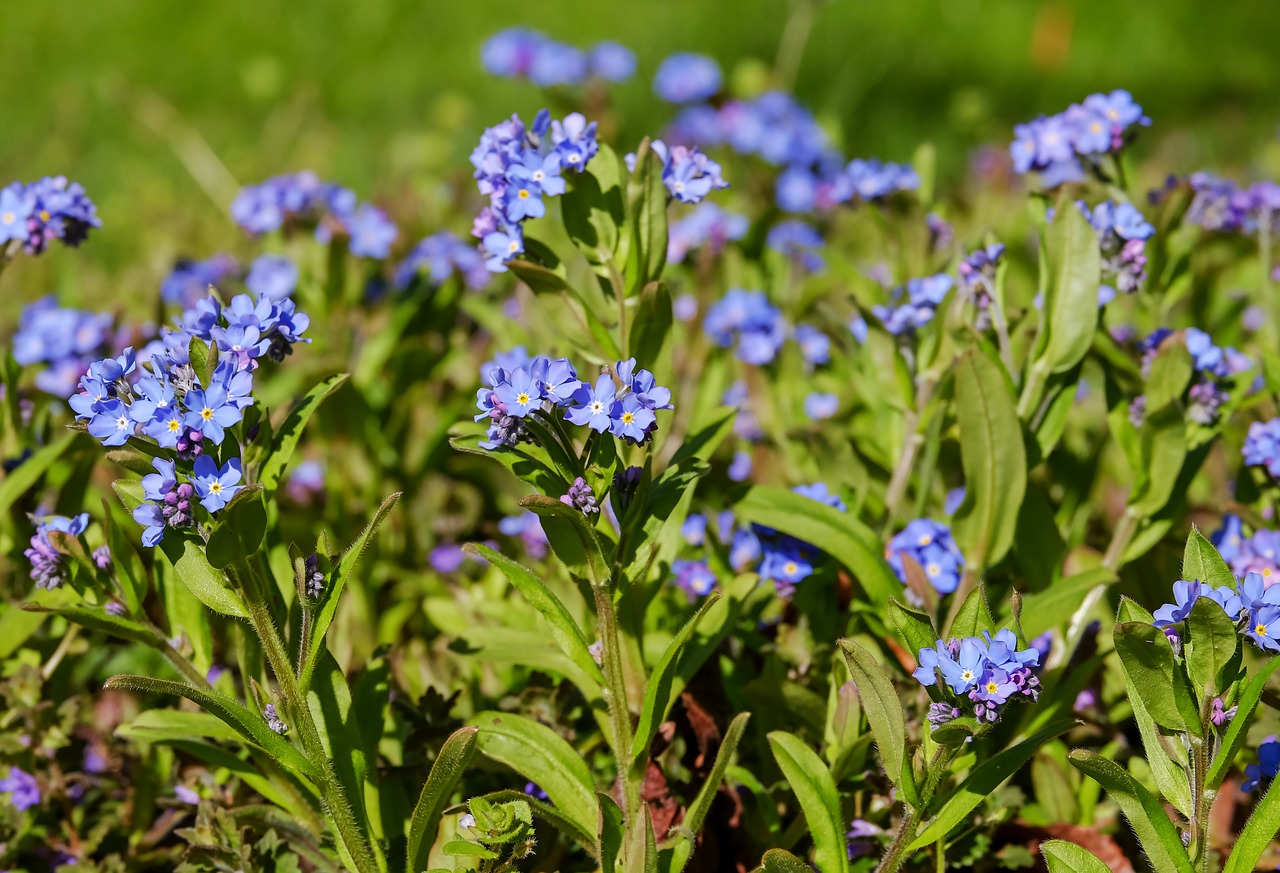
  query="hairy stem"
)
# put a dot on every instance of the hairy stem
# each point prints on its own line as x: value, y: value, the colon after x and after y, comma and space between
x: 616, y: 698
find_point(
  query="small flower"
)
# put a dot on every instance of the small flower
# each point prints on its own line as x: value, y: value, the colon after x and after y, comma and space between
x: 581, y: 497
x: 22, y: 789
x: 1268, y: 765
x: 210, y: 412
x: 693, y: 577
x: 216, y: 486
x: 273, y: 719
x: 631, y: 419
x: 312, y: 578
x: 686, y: 77
x: 594, y: 406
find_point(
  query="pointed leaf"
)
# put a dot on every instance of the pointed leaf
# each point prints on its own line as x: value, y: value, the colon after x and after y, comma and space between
x: 572, y: 537
x: 647, y: 212
x: 208, y: 584
x: 974, y: 615
x: 913, y: 628
x: 446, y: 771
x: 1064, y: 857
x: 100, y: 620
x: 819, y: 800
x: 782, y: 861
x: 1209, y: 648
x: 1238, y: 727
x: 1073, y: 260
x: 1156, y: 677
x: 881, y: 704
x: 1202, y: 562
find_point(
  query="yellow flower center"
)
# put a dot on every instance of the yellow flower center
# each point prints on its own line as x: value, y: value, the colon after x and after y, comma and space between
x: 1096, y: 127
x: 992, y: 688
x: 523, y: 194
x: 44, y: 215
x: 522, y: 398
x: 925, y: 539
x: 967, y: 675
x: 933, y: 569
x: 790, y: 568
x: 216, y: 488
x: 597, y: 406
x: 174, y: 425
x: 627, y: 418
x: 8, y: 218
x: 513, y: 247
x: 1260, y: 630
x: 206, y: 413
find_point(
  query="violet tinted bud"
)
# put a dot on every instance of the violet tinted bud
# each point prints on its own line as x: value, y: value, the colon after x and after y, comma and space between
x: 113, y: 608
x: 625, y: 484
x: 273, y: 719
x: 581, y: 497
x: 102, y: 557
x: 941, y: 713
x: 311, y: 575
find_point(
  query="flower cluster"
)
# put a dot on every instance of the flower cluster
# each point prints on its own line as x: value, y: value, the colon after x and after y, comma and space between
x: 169, y: 500
x: 686, y: 78
x: 707, y: 225
x: 785, y: 560
x: 930, y: 545
x: 35, y: 214
x: 1255, y: 607
x: 984, y: 673
x: 914, y: 305
x: 622, y: 402
x: 1122, y: 234
x: 22, y: 788
x: 747, y: 320
x: 1215, y: 370
x: 1055, y: 145
x: 784, y: 134
x: 1258, y: 554
x: 516, y: 167
x: 581, y: 497
x: 49, y: 567
x: 65, y: 339
x: 440, y: 256
x: 273, y: 276
x: 520, y: 53
x: 687, y: 173
x: 302, y: 200
x: 1223, y: 206
x: 978, y: 274
x: 798, y: 242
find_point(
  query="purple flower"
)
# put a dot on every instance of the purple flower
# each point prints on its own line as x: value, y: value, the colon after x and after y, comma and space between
x: 693, y: 577
x: 272, y: 276
x: 22, y: 789
x: 594, y: 407
x: 446, y: 558
x: 581, y: 497
x: 687, y: 77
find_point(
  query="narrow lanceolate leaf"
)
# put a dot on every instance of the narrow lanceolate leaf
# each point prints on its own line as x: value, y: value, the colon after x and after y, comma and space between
x: 1146, y: 815
x: 974, y: 615
x: 819, y: 800
x: 682, y: 846
x: 449, y: 765
x: 1071, y: 296
x: 209, y: 585
x: 651, y: 326
x: 647, y: 214
x: 1257, y: 835
x: 249, y: 724
x: 336, y: 582
x: 881, y: 704
x: 994, y: 460
x: 564, y: 630
x: 284, y: 440
x: 612, y: 832
x: 1064, y: 857
x: 782, y: 861
x: 1150, y: 665
x: 912, y: 627
x: 837, y: 533
x: 542, y: 756
x: 657, y: 693
x: 1238, y: 727
x: 1201, y: 561
x: 982, y: 781
x: 100, y: 620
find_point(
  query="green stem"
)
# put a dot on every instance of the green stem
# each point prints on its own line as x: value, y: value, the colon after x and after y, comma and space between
x: 902, y: 836
x: 1037, y: 377
x: 897, y: 489
x: 616, y: 698
x: 1120, y: 539
x: 791, y: 47
x: 347, y: 828
x: 906, y: 832
x: 1268, y: 293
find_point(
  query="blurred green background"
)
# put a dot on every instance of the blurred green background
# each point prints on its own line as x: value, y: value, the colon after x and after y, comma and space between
x: 162, y: 110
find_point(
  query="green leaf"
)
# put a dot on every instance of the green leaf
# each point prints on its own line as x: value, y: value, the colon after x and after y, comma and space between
x: 203, y: 359
x: 334, y: 585
x: 1071, y: 310
x: 994, y: 460
x: 881, y: 704
x: 28, y: 473
x: 284, y: 439
x: 1162, y: 442
x: 1156, y: 677
x: 593, y: 208
x: 1169, y: 775
x: 329, y: 700
x: 572, y: 538
x: 651, y: 326
x: 524, y: 466
x: 540, y: 755
x: 782, y: 861
x: 1053, y: 607
x: 657, y: 691
x: 1170, y: 372
x: 612, y: 833
x: 249, y: 724
x: 819, y: 800
x: 1131, y: 610
x: 549, y: 813
x: 175, y: 726
x: 837, y: 533
x: 982, y: 781
x: 1210, y: 645
x: 647, y: 208
x: 913, y: 628
x: 466, y: 849
x: 1238, y: 727
x: 100, y: 620
x: 564, y: 630
x: 640, y: 853
x: 1202, y: 562
x: 1064, y: 857
x: 1257, y: 835
x: 239, y: 528
x: 446, y: 771
x: 974, y: 615
x: 208, y: 584
x: 695, y: 815
x: 1155, y: 832
x: 956, y: 731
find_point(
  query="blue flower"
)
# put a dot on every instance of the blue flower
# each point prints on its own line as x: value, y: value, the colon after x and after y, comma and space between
x: 540, y: 172
x: 216, y: 486
x: 210, y: 412
x: 747, y: 318
x: 686, y: 77
x: 815, y: 346
x: 930, y: 545
x: 785, y: 568
x: 799, y: 242
x: 611, y: 61
x: 15, y: 207
x: 1262, y: 445
x: 694, y: 529
x: 994, y: 687
x: 22, y: 788
x: 1185, y: 595
x: 575, y: 141
x: 521, y: 392
x: 818, y: 491
x: 272, y: 276
x: 442, y: 255
x: 1264, y: 627
x: 372, y: 233
x: 558, y: 381
x: 631, y: 419
x: 740, y: 467
x: 1268, y: 765
x: 594, y: 407
x: 708, y: 225
x: 502, y: 246
x: 687, y: 173
x: 693, y: 577
x: 744, y: 549
x: 1229, y: 538
x: 110, y: 422
x: 967, y: 668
